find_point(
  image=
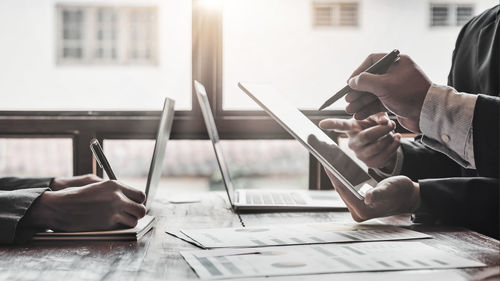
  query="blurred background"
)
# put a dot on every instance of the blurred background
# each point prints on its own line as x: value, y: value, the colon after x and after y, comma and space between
x: 128, y: 55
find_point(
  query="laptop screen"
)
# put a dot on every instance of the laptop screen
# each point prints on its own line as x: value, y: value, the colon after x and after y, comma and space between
x: 214, y: 137
x: 162, y: 136
x: 311, y: 136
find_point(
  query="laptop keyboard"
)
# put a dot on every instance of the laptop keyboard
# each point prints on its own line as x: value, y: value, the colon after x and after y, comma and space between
x: 274, y: 198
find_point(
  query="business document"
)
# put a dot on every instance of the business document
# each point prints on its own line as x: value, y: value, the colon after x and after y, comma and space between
x: 297, y: 234
x: 321, y: 258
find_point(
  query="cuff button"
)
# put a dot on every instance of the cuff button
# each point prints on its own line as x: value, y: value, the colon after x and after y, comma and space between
x: 445, y: 138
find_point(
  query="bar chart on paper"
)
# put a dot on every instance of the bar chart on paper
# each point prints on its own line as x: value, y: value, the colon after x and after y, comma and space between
x: 315, y: 259
x: 297, y: 234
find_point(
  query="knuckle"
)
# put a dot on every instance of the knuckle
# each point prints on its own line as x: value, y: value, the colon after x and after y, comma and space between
x: 142, y: 196
x: 133, y: 222
x: 364, y: 137
x: 351, y: 145
x: 357, y: 218
x: 142, y: 210
x: 116, y: 196
x: 114, y: 219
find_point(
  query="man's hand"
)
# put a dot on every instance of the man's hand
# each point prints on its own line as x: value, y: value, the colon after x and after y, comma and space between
x: 62, y: 183
x: 97, y: 206
x: 373, y: 139
x: 402, y: 90
x: 392, y: 196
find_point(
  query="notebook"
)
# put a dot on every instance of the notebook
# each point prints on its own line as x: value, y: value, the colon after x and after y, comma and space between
x: 130, y: 234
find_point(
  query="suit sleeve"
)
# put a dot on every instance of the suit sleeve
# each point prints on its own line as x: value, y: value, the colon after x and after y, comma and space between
x: 486, y: 130
x: 469, y: 202
x: 16, y: 197
x: 421, y: 162
x: 13, y: 206
x: 14, y: 183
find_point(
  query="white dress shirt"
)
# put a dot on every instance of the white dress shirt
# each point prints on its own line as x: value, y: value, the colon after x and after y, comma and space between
x: 446, y: 126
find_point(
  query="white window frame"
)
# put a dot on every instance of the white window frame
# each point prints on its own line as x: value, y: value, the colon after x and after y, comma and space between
x: 123, y: 44
x: 335, y: 7
x: 452, y: 20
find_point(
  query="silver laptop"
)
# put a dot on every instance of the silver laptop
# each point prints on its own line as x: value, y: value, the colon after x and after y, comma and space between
x: 267, y: 199
x: 162, y: 136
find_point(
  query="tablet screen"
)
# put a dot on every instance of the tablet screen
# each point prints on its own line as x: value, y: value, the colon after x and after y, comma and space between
x: 321, y: 146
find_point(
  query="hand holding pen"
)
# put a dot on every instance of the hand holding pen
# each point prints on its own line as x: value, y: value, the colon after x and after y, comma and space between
x: 378, y: 67
x: 401, y: 90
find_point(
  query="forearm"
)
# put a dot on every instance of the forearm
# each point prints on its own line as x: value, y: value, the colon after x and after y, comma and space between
x: 469, y: 202
x: 421, y: 162
x: 15, y: 183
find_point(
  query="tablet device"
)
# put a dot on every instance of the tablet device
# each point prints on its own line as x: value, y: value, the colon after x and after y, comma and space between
x: 319, y: 144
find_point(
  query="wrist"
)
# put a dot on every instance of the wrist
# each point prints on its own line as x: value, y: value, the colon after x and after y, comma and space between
x: 390, y: 165
x: 415, y: 198
x: 41, y: 214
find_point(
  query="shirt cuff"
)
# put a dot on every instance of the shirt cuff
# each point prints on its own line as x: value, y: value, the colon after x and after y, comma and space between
x: 446, y: 123
x: 397, y: 167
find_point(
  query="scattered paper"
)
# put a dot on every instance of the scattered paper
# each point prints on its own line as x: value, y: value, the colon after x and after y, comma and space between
x: 298, y: 234
x: 316, y: 259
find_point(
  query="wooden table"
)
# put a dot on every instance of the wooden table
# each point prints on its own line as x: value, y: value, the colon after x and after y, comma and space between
x: 156, y: 256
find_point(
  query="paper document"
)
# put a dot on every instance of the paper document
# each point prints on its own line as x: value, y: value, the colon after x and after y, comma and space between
x: 296, y: 234
x: 325, y: 258
x: 143, y: 226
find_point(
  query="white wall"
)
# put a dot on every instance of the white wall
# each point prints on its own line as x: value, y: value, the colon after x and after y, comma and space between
x: 265, y: 40
x: 30, y: 78
x: 274, y: 41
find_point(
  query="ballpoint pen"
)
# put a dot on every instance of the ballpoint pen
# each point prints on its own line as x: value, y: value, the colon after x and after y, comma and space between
x: 101, y: 159
x: 380, y: 67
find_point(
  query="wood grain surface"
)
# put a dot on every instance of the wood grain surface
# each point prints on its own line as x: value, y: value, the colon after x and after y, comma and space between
x: 156, y: 256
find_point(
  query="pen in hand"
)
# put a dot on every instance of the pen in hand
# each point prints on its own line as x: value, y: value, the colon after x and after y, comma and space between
x: 380, y: 67
x: 101, y: 159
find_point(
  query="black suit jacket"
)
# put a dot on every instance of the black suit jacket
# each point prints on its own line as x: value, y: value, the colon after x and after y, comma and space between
x: 16, y: 197
x: 449, y: 193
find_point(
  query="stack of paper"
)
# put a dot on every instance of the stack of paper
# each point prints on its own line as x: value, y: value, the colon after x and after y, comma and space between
x: 143, y: 226
x: 296, y: 234
x: 315, y: 259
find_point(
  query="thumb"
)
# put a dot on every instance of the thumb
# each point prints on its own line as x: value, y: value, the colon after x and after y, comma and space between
x: 367, y: 82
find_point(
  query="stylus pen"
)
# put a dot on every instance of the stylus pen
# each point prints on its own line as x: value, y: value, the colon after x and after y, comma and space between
x: 380, y: 67
x: 101, y: 159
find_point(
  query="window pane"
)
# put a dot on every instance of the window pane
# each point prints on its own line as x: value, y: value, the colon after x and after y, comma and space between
x: 106, y: 29
x: 75, y: 56
x: 440, y: 15
x: 22, y: 157
x: 309, y: 64
x: 464, y: 14
x: 190, y: 165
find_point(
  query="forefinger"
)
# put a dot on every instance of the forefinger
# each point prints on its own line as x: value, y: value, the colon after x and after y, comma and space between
x: 338, y: 125
x: 133, y: 194
x: 374, y: 133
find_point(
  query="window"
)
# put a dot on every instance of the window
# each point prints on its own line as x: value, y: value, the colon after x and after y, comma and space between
x: 283, y: 49
x: 335, y: 14
x: 92, y: 57
x: 36, y: 157
x: 107, y: 35
x: 191, y: 165
x: 72, y: 41
x: 451, y: 14
x: 101, y: 70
